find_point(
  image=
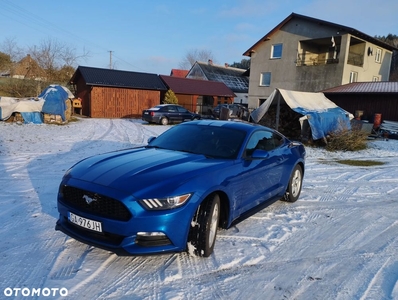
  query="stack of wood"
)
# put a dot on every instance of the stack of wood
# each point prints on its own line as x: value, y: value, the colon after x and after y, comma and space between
x: 57, y: 119
x: 289, y: 124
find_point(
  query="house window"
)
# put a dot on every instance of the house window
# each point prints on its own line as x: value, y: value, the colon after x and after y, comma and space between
x: 353, y: 77
x: 276, y: 51
x: 265, y: 79
x: 375, y: 78
x: 378, y: 55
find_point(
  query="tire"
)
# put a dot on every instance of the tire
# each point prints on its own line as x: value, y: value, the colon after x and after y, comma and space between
x: 203, y: 233
x: 295, y: 183
x: 164, y: 121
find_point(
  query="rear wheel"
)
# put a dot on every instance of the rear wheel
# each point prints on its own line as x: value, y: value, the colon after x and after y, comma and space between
x: 164, y: 121
x: 294, y: 188
x: 204, y: 226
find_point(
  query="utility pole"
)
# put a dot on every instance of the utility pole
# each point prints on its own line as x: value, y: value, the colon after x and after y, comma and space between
x: 110, y: 59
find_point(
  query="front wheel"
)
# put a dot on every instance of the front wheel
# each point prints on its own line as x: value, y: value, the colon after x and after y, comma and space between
x: 294, y: 188
x: 204, y: 226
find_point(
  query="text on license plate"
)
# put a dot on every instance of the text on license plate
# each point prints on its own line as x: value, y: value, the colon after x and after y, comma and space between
x: 84, y: 222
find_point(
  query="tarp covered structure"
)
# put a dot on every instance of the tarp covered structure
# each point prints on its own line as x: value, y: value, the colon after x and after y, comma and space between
x: 323, y: 115
x: 50, y: 101
x: 25, y: 106
x: 55, y: 97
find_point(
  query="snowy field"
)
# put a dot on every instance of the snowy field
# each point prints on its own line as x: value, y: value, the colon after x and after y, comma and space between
x: 338, y: 241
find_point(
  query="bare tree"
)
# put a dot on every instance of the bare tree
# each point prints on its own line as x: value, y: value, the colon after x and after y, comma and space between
x: 195, y: 55
x: 52, y: 56
x: 10, y: 47
x: 53, y: 62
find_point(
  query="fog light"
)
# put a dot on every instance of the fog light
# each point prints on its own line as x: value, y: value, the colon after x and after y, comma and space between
x: 151, y: 239
x: 148, y: 234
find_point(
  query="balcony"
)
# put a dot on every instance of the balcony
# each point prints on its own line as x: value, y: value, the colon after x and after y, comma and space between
x: 355, y: 59
x: 316, y: 62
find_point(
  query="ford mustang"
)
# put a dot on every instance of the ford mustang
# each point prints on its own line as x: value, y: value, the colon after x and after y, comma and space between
x: 172, y: 194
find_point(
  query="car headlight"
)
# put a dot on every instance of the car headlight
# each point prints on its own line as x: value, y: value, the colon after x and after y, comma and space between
x: 164, y: 203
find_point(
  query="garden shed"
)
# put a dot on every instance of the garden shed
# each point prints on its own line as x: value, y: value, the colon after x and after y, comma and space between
x: 109, y: 93
x: 198, y: 95
x: 367, y: 99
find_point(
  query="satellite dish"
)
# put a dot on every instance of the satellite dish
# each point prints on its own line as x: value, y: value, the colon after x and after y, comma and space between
x: 370, y: 51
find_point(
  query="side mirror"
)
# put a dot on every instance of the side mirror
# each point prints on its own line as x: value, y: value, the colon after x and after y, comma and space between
x: 150, y: 139
x: 260, y: 154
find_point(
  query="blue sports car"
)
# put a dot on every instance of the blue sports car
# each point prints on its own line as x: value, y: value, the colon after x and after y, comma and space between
x: 174, y: 193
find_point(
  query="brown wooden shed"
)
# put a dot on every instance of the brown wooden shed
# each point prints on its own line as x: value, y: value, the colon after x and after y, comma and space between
x: 198, y: 95
x: 108, y: 93
x: 367, y: 99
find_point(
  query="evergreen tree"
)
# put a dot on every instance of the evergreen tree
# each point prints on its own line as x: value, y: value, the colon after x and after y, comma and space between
x: 170, y: 98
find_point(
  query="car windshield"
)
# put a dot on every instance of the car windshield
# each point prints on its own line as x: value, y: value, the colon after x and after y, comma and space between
x: 211, y: 141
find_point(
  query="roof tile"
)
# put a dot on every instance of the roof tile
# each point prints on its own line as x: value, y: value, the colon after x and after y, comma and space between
x: 117, y: 78
x: 365, y: 87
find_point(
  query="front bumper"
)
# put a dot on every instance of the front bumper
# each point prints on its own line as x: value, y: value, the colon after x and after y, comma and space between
x: 123, y: 238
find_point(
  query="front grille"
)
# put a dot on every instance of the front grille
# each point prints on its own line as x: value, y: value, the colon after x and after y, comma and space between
x: 95, y: 204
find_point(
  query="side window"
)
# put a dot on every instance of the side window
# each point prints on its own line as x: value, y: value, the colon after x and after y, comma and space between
x: 265, y: 79
x: 378, y: 55
x: 181, y: 109
x: 171, y: 109
x: 263, y: 140
x: 353, y: 76
x: 276, y: 51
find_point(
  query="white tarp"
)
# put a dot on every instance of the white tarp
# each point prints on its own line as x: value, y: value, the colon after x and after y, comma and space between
x: 50, y: 101
x: 8, y: 105
x: 323, y: 115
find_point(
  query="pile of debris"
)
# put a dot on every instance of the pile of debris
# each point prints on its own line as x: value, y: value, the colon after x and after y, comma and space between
x: 288, y: 122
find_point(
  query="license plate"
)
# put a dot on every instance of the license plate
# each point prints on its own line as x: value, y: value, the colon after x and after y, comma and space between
x: 145, y: 113
x: 85, y: 223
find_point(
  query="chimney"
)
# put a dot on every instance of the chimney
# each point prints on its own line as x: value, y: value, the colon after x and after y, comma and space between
x: 210, y: 62
x: 226, y: 65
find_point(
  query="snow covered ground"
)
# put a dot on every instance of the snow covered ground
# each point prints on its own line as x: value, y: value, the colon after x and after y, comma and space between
x: 338, y: 241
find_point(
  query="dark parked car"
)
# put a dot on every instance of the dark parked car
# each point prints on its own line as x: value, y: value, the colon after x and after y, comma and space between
x: 235, y: 110
x: 217, y: 110
x: 168, y: 113
x: 174, y: 193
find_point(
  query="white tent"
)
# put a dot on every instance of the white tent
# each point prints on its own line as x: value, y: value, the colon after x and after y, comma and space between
x: 323, y: 115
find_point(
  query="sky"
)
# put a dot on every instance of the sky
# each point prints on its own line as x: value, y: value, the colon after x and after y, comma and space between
x: 155, y: 36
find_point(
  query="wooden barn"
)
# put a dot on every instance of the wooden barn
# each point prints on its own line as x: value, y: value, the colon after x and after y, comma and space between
x: 197, y: 95
x: 366, y: 99
x: 108, y: 93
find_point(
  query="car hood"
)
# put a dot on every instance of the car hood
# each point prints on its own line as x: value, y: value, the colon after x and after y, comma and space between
x: 144, y: 169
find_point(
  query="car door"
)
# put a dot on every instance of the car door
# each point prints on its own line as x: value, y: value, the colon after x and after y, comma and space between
x: 260, y: 179
x: 173, y: 113
x: 183, y: 114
